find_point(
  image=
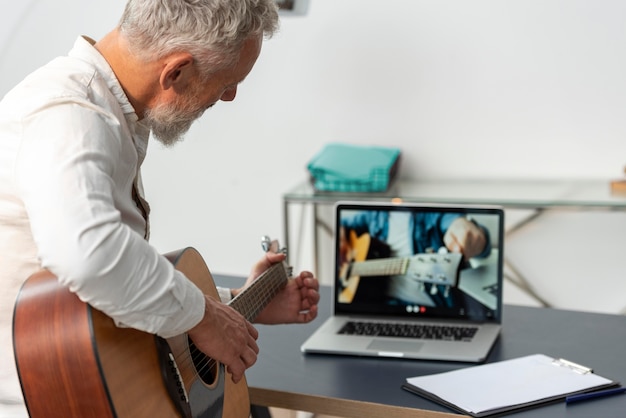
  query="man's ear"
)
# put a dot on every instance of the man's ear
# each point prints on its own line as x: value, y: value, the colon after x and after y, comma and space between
x: 177, y: 70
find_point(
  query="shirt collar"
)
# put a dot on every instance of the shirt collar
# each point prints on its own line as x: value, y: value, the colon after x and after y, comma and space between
x: 84, y: 49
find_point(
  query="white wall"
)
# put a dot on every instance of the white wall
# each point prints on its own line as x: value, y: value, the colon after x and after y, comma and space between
x: 480, y: 88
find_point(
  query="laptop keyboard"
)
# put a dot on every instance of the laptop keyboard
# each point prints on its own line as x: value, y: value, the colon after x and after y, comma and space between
x: 423, y: 331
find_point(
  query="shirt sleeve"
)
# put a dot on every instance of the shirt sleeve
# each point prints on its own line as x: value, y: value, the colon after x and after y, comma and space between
x: 225, y: 294
x: 68, y: 174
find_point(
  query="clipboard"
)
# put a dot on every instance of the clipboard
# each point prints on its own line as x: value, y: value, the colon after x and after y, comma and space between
x: 507, y: 386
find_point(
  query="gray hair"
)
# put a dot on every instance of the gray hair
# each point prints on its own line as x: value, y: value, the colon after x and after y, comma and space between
x: 212, y: 31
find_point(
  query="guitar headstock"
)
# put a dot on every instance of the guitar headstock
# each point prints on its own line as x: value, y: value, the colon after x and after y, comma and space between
x: 435, y: 268
x: 272, y: 245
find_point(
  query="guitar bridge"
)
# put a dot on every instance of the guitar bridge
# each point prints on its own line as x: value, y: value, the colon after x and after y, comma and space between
x: 172, y: 379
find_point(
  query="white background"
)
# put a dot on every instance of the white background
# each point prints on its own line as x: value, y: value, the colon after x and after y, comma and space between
x: 467, y: 89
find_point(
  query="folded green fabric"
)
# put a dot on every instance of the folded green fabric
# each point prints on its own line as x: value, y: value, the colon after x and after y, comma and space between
x: 353, y: 168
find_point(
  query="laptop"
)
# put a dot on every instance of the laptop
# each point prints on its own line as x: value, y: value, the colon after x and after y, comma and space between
x: 402, y: 289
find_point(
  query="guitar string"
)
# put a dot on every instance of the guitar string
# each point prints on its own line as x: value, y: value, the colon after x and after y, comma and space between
x: 383, y: 267
x: 254, y: 292
x: 206, y: 363
x: 396, y: 265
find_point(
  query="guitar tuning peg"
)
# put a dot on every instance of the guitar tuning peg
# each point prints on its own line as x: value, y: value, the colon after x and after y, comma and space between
x: 433, y: 289
x: 266, y: 243
x: 270, y: 245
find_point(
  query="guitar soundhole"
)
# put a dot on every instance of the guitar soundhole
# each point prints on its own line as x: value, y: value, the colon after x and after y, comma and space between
x: 205, y: 366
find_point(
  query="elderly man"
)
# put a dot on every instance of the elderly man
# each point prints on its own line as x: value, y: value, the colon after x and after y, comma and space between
x: 74, y: 134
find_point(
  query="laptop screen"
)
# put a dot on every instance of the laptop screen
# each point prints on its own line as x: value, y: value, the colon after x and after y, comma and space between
x: 430, y: 261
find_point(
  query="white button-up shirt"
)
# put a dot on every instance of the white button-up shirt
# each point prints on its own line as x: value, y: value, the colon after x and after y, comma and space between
x: 71, y: 147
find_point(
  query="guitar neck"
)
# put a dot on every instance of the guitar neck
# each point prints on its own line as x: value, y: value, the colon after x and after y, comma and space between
x: 255, y: 297
x: 425, y: 267
x: 380, y: 267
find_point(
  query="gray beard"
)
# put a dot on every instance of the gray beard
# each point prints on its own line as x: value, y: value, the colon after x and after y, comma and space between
x: 169, y: 134
x: 170, y: 123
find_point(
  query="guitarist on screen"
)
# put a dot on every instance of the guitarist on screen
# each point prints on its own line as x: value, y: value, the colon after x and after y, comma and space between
x: 371, y: 235
x: 73, y: 137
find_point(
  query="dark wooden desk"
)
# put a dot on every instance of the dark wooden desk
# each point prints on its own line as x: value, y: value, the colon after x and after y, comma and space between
x: 370, y: 387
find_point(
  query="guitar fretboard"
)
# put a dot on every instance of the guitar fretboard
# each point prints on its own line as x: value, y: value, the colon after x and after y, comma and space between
x: 380, y: 267
x: 255, y: 297
x: 430, y: 268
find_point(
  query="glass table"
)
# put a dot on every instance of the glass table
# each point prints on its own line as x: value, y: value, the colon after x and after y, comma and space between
x: 532, y: 195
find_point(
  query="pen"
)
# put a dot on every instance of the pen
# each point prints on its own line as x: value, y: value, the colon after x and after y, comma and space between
x: 593, y: 395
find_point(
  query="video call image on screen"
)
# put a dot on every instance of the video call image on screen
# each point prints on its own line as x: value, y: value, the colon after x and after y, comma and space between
x: 414, y: 262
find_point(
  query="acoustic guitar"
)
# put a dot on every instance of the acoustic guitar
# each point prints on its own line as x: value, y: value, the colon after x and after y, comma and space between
x: 73, y: 361
x: 368, y: 257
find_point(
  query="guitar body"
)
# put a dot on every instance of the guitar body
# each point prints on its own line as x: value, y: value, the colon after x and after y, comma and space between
x: 73, y: 361
x: 364, y: 247
x: 360, y: 249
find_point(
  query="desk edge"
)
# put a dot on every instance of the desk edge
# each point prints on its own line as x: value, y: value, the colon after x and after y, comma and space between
x: 337, y: 407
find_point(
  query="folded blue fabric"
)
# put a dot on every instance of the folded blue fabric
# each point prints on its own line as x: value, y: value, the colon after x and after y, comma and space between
x: 353, y: 168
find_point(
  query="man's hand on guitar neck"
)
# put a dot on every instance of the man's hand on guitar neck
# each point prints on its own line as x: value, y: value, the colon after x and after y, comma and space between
x: 225, y: 335
x: 295, y: 303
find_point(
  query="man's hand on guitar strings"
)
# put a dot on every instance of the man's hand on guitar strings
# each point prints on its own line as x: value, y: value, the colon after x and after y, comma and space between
x: 295, y: 303
x: 269, y: 258
x: 225, y: 335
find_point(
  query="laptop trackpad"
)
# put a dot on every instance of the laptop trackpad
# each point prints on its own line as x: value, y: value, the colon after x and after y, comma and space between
x: 397, y: 346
